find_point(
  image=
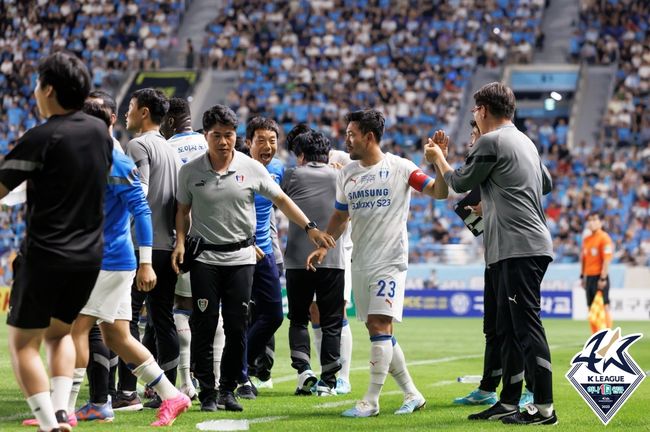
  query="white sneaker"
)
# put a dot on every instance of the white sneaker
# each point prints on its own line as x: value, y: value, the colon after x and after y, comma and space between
x: 342, y: 386
x: 268, y: 384
x: 323, y: 389
x: 306, y: 381
x: 412, y: 402
x: 188, y: 390
x: 363, y: 408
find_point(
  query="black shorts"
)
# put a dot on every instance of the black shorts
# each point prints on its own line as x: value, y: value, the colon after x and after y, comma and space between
x: 592, y: 286
x: 40, y: 293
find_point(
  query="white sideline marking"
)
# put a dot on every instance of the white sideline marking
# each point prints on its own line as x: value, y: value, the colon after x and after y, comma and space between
x: 267, y: 419
x: 426, y: 362
x: 351, y: 401
x: 442, y: 383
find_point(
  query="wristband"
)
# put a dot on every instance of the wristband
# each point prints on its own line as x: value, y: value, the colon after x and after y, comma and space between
x: 145, y: 254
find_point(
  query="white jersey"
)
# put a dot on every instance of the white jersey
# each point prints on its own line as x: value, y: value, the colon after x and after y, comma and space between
x: 377, y: 199
x: 340, y: 157
x: 188, y: 145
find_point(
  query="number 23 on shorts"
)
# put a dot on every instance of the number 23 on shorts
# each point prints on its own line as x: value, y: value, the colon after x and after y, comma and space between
x: 382, y: 292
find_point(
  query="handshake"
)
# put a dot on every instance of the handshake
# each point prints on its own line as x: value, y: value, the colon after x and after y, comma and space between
x: 436, y: 147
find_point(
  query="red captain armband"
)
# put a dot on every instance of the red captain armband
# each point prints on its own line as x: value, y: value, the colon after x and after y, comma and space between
x: 419, y: 180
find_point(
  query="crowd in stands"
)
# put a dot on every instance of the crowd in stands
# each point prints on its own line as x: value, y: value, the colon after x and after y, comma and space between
x: 611, y: 174
x: 312, y: 61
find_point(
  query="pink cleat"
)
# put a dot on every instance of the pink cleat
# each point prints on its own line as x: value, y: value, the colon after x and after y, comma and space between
x: 170, y: 409
x: 72, y: 421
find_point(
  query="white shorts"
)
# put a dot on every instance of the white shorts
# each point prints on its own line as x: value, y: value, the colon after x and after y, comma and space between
x: 183, y: 287
x: 379, y: 292
x: 110, y: 298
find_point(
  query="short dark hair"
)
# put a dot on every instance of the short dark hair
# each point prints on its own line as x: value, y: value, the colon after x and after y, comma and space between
x: 369, y: 120
x: 219, y: 114
x: 313, y: 145
x: 594, y: 213
x: 108, y: 100
x: 99, y: 110
x: 154, y: 100
x: 240, y: 146
x: 498, y: 98
x: 261, y: 123
x: 179, y: 108
x: 69, y: 77
x: 298, y: 129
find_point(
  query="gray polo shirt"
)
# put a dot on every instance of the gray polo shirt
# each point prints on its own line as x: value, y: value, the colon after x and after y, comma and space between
x: 158, y: 164
x: 313, y: 188
x: 223, y: 205
x: 506, y: 165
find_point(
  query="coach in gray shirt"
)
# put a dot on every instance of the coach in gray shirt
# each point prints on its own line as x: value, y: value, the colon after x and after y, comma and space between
x: 158, y: 165
x: 219, y: 189
x: 506, y: 165
x: 312, y: 185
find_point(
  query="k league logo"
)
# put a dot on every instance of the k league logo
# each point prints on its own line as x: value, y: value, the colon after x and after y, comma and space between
x: 604, y: 373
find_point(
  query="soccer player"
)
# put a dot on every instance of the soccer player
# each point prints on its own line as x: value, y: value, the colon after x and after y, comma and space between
x: 309, y: 185
x: 176, y: 127
x: 158, y: 165
x: 506, y: 165
x: 266, y: 294
x: 110, y: 300
x: 597, y: 252
x: 66, y: 161
x: 216, y: 193
x: 374, y: 192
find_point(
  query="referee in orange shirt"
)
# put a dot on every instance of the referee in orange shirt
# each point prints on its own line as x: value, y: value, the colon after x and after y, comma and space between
x: 597, y: 252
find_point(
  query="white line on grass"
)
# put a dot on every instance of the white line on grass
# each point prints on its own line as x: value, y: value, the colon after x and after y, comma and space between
x: 423, y: 362
x: 351, y: 401
x: 267, y: 419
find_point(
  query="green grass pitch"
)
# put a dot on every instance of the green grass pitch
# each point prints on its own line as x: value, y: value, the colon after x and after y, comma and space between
x: 437, y: 350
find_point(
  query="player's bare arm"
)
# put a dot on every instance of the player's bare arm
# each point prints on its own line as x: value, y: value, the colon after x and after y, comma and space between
x: 182, y: 228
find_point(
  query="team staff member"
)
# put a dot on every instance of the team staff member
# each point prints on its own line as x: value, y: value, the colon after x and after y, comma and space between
x: 266, y: 295
x: 506, y: 165
x: 66, y: 161
x: 158, y: 165
x: 219, y: 188
x: 176, y: 127
x: 374, y: 192
x: 312, y: 185
x: 486, y: 394
x: 597, y: 252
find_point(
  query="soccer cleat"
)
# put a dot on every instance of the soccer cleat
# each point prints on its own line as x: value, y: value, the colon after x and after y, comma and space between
x: 123, y: 402
x: 170, y: 409
x: 306, y: 381
x: 154, y: 403
x: 363, y: 408
x: 64, y: 421
x: 259, y: 384
x: 495, y: 412
x: 530, y: 416
x: 527, y: 397
x: 228, y: 402
x: 342, y: 386
x: 101, y: 413
x: 149, y: 393
x: 189, y: 390
x: 477, y: 397
x: 412, y: 402
x: 72, y: 421
x: 323, y: 389
x: 247, y: 391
